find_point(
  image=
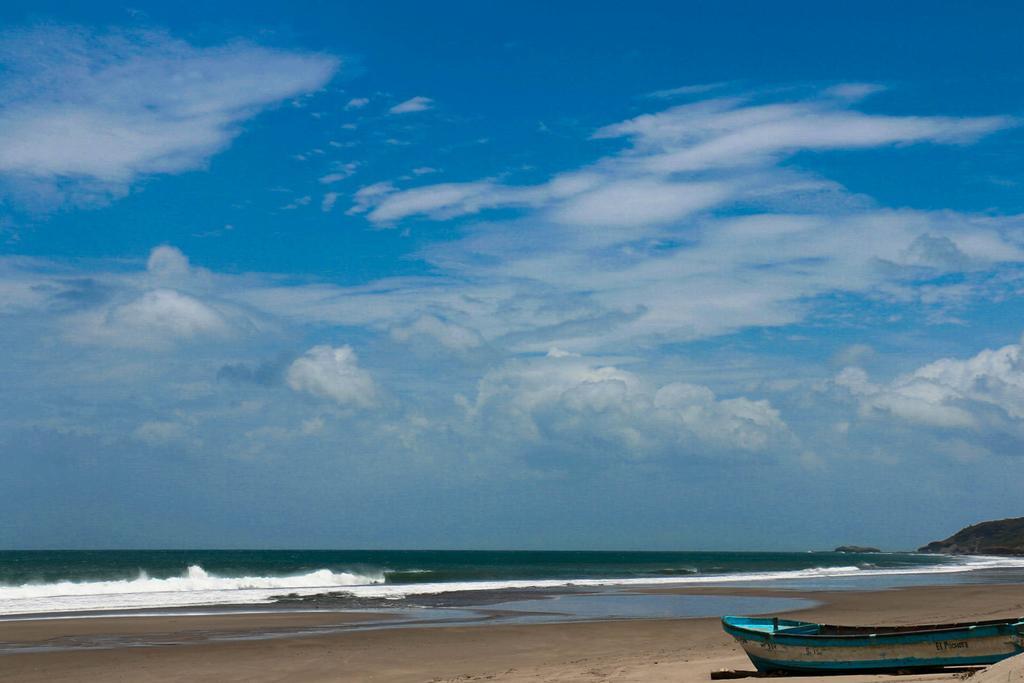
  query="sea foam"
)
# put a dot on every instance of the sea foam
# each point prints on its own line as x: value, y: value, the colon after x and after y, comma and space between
x: 198, y: 587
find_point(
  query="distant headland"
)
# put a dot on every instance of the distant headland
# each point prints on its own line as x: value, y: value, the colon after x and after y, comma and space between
x: 998, y: 537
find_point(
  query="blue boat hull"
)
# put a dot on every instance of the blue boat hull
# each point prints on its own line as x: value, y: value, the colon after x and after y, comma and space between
x: 805, y: 647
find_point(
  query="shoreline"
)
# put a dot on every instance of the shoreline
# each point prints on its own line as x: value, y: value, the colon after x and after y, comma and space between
x: 618, y: 650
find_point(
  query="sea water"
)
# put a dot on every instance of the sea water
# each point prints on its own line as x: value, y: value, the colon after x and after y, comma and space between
x: 38, y: 582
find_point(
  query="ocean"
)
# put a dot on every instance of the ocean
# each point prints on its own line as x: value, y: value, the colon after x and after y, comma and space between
x: 38, y: 582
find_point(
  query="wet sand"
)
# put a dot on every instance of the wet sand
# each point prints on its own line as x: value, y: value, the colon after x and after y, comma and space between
x: 635, y: 650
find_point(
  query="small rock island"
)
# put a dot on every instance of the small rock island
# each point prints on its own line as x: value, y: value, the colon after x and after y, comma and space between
x: 998, y: 537
x: 856, y: 549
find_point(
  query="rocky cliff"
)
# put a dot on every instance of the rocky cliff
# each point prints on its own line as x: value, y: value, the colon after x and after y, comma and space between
x: 999, y: 537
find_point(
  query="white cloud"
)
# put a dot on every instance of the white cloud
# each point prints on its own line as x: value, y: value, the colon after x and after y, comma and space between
x: 447, y: 333
x: 343, y: 171
x: 645, y: 252
x: 977, y: 393
x: 569, y: 402
x: 614, y: 258
x: 155, y: 319
x: 170, y: 303
x: 854, y: 91
x: 561, y: 404
x: 412, y: 104
x: 446, y: 200
x: 437, y: 201
x: 706, y: 136
x: 357, y: 103
x: 298, y: 202
x: 167, y: 262
x: 366, y: 197
x: 328, y: 201
x: 696, y: 89
x: 729, y: 423
x: 725, y: 134
x: 87, y: 114
x: 333, y: 373
x: 640, y: 202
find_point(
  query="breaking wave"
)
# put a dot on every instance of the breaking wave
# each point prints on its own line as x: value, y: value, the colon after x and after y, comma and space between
x: 198, y: 587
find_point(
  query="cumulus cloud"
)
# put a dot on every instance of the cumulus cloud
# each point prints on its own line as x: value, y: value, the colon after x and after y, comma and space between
x: 568, y: 402
x: 87, y: 114
x: 413, y: 104
x: 170, y: 302
x: 357, y: 103
x: 156, y: 318
x: 984, y: 392
x: 564, y: 406
x: 165, y: 311
x: 166, y: 261
x: 332, y: 373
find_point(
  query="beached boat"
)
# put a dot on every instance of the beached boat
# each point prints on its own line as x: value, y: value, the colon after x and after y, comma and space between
x: 777, y: 645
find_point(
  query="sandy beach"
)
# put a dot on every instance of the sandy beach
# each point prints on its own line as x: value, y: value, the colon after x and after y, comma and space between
x: 633, y: 650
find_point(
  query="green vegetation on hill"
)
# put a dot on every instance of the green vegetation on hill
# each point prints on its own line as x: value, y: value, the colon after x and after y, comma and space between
x: 999, y: 537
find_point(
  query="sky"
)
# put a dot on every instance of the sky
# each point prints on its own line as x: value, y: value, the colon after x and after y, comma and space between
x: 690, y: 275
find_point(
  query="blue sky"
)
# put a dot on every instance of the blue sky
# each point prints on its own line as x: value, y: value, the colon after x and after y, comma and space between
x: 509, y: 276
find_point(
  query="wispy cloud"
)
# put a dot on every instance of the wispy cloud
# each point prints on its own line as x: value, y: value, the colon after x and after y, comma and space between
x: 297, y: 203
x: 696, y: 228
x: 695, y: 89
x: 720, y: 135
x: 327, y: 203
x: 87, y: 114
x: 449, y: 334
x: 854, y: 91
x: 344, y: 170
x: 413, y: 104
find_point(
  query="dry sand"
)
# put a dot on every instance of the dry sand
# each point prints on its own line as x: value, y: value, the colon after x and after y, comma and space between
x: 639, y: 650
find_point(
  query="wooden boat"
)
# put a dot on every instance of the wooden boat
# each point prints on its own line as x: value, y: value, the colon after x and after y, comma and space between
x: 785, y: 645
